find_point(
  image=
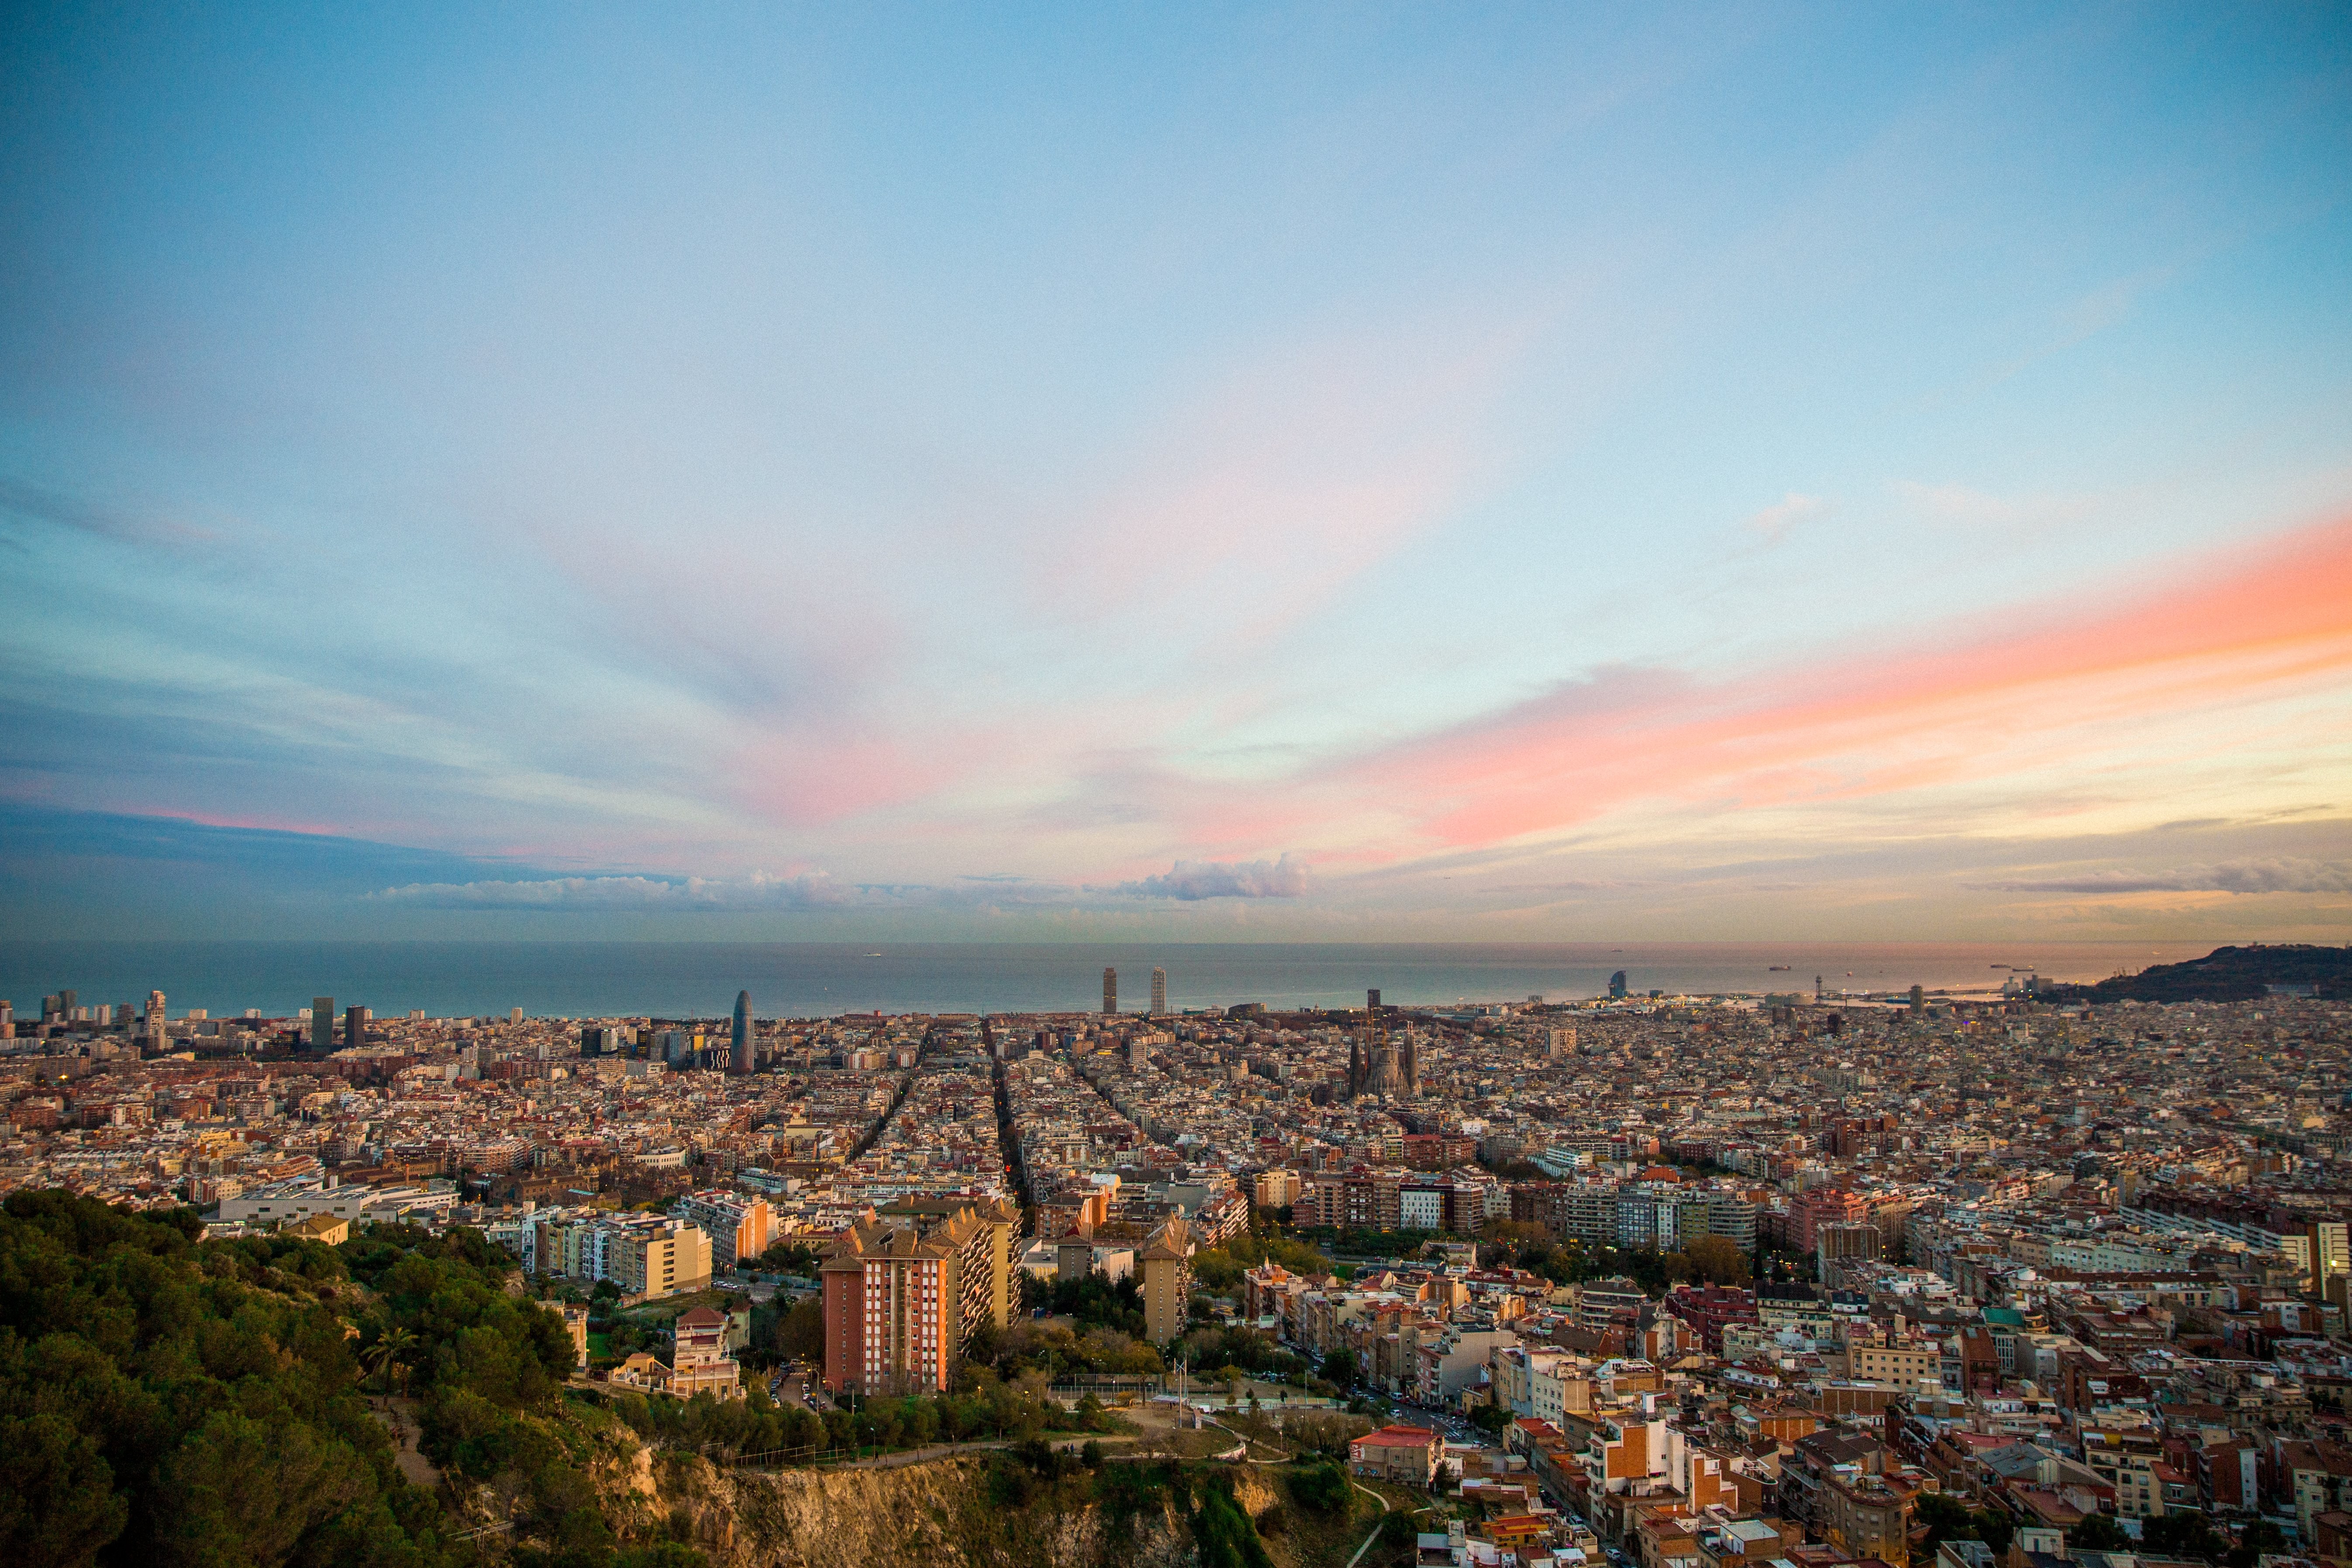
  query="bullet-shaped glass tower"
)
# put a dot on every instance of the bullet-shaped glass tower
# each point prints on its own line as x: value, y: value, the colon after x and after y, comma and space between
x: 739, y: 1060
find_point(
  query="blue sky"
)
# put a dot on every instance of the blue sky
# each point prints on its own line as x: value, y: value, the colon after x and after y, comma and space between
x: 1301, y: 472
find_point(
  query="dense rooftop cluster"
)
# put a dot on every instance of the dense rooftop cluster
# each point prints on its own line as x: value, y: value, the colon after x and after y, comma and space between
x: 1708, y: 1266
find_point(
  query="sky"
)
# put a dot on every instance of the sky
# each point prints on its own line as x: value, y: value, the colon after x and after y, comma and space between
x: 1441, y: 473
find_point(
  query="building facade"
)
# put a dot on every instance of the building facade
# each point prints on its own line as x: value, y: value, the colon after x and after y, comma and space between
x: 1407, y: 1454
x: 904, y: 1295
x: 739, y: 1225
x: 698, y: 1361
x: 1166, y: 1264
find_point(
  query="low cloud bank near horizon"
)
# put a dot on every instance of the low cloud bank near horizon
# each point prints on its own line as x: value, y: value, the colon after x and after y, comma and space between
x: 1191, y: 881
x: 758, y: 891
x: 80, y: 875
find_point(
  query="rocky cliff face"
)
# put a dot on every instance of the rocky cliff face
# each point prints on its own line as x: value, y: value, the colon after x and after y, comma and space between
x: 938, y: 1514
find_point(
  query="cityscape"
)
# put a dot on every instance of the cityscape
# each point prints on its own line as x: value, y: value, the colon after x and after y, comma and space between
x: 1283, y: 786
x: 1652, y: 1277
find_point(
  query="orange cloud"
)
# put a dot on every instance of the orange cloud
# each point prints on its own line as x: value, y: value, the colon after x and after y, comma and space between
x: 2234, y: 626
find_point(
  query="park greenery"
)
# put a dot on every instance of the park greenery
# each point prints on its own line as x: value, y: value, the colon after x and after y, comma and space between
x: 1221, y: 1268
x: 1093, y: 1300
x: 176, y: 1401
x: 798, y: 1259
x: 1706, y: 1259
x: 983, y: 1408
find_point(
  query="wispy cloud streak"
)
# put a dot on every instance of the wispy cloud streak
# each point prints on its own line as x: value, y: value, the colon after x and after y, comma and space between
x: 2274, y: 875
x: 603, y: 894
x: 1888, y: 719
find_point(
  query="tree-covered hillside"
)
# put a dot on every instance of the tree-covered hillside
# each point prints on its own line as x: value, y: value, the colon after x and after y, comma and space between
x: 196, y: 1404
x: 174, y: 1401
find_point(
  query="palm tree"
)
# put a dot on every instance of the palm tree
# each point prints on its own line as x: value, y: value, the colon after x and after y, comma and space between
x: 387, y: 1358
x: 376, y: 1357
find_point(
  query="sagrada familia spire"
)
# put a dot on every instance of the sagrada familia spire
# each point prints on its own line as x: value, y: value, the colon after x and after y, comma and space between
x: 1381, y: 1063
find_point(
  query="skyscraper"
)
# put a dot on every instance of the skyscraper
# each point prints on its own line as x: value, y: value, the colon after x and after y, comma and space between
x: 322, y: 1023
x: 155, y: 1016
x: 1111, y: 990
x: 1158, y: 992
x: 1617, y: 985
x: 740, y: 1061
x: 355, y: 1023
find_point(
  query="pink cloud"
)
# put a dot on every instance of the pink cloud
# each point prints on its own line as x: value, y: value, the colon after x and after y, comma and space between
x: 1868, y: 721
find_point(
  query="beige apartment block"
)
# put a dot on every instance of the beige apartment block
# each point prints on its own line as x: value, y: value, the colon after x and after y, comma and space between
x: 661, y: 1262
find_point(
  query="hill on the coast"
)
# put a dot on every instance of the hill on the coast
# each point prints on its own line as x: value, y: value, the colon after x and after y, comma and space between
x: 2227, y: 974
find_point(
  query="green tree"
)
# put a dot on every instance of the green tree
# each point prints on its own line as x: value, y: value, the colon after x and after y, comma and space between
x: 1216, y: 1268
x: 791, y: 1258
x: 59, y: 1504
x: 1993, y: 1527
x: 661, y: 1555
x: 800, y: 1333
x: 1942, y: 1518
x: 1322, y: 1487
x: 2097, y: 1532
x: 1718, y: 1260
x: 240, y: 1491
x: 388, y: 1357
x: 1339, y: 1368
x: 2182, y: 1535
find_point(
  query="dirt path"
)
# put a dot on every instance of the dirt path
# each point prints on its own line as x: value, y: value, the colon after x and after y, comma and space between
x: 917, y: 1456
x: 400, y: 1417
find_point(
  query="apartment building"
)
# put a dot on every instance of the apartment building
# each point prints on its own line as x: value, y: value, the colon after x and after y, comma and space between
x: 1635, y: 1452
x: 903, y: 1295
x: 656, y: 1260
x: 1866, y: 1516
x: 2129, y: 1460
x: 642, y: 1254
x: 1165, y: 1265
x: 1278, y: 1189
x: 739, y: 1225
x: 1447, y: 1363
x: 1538, y: 1384
x: 1906, y: 1362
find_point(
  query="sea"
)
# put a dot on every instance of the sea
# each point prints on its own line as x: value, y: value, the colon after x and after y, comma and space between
x: 810, y: 980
